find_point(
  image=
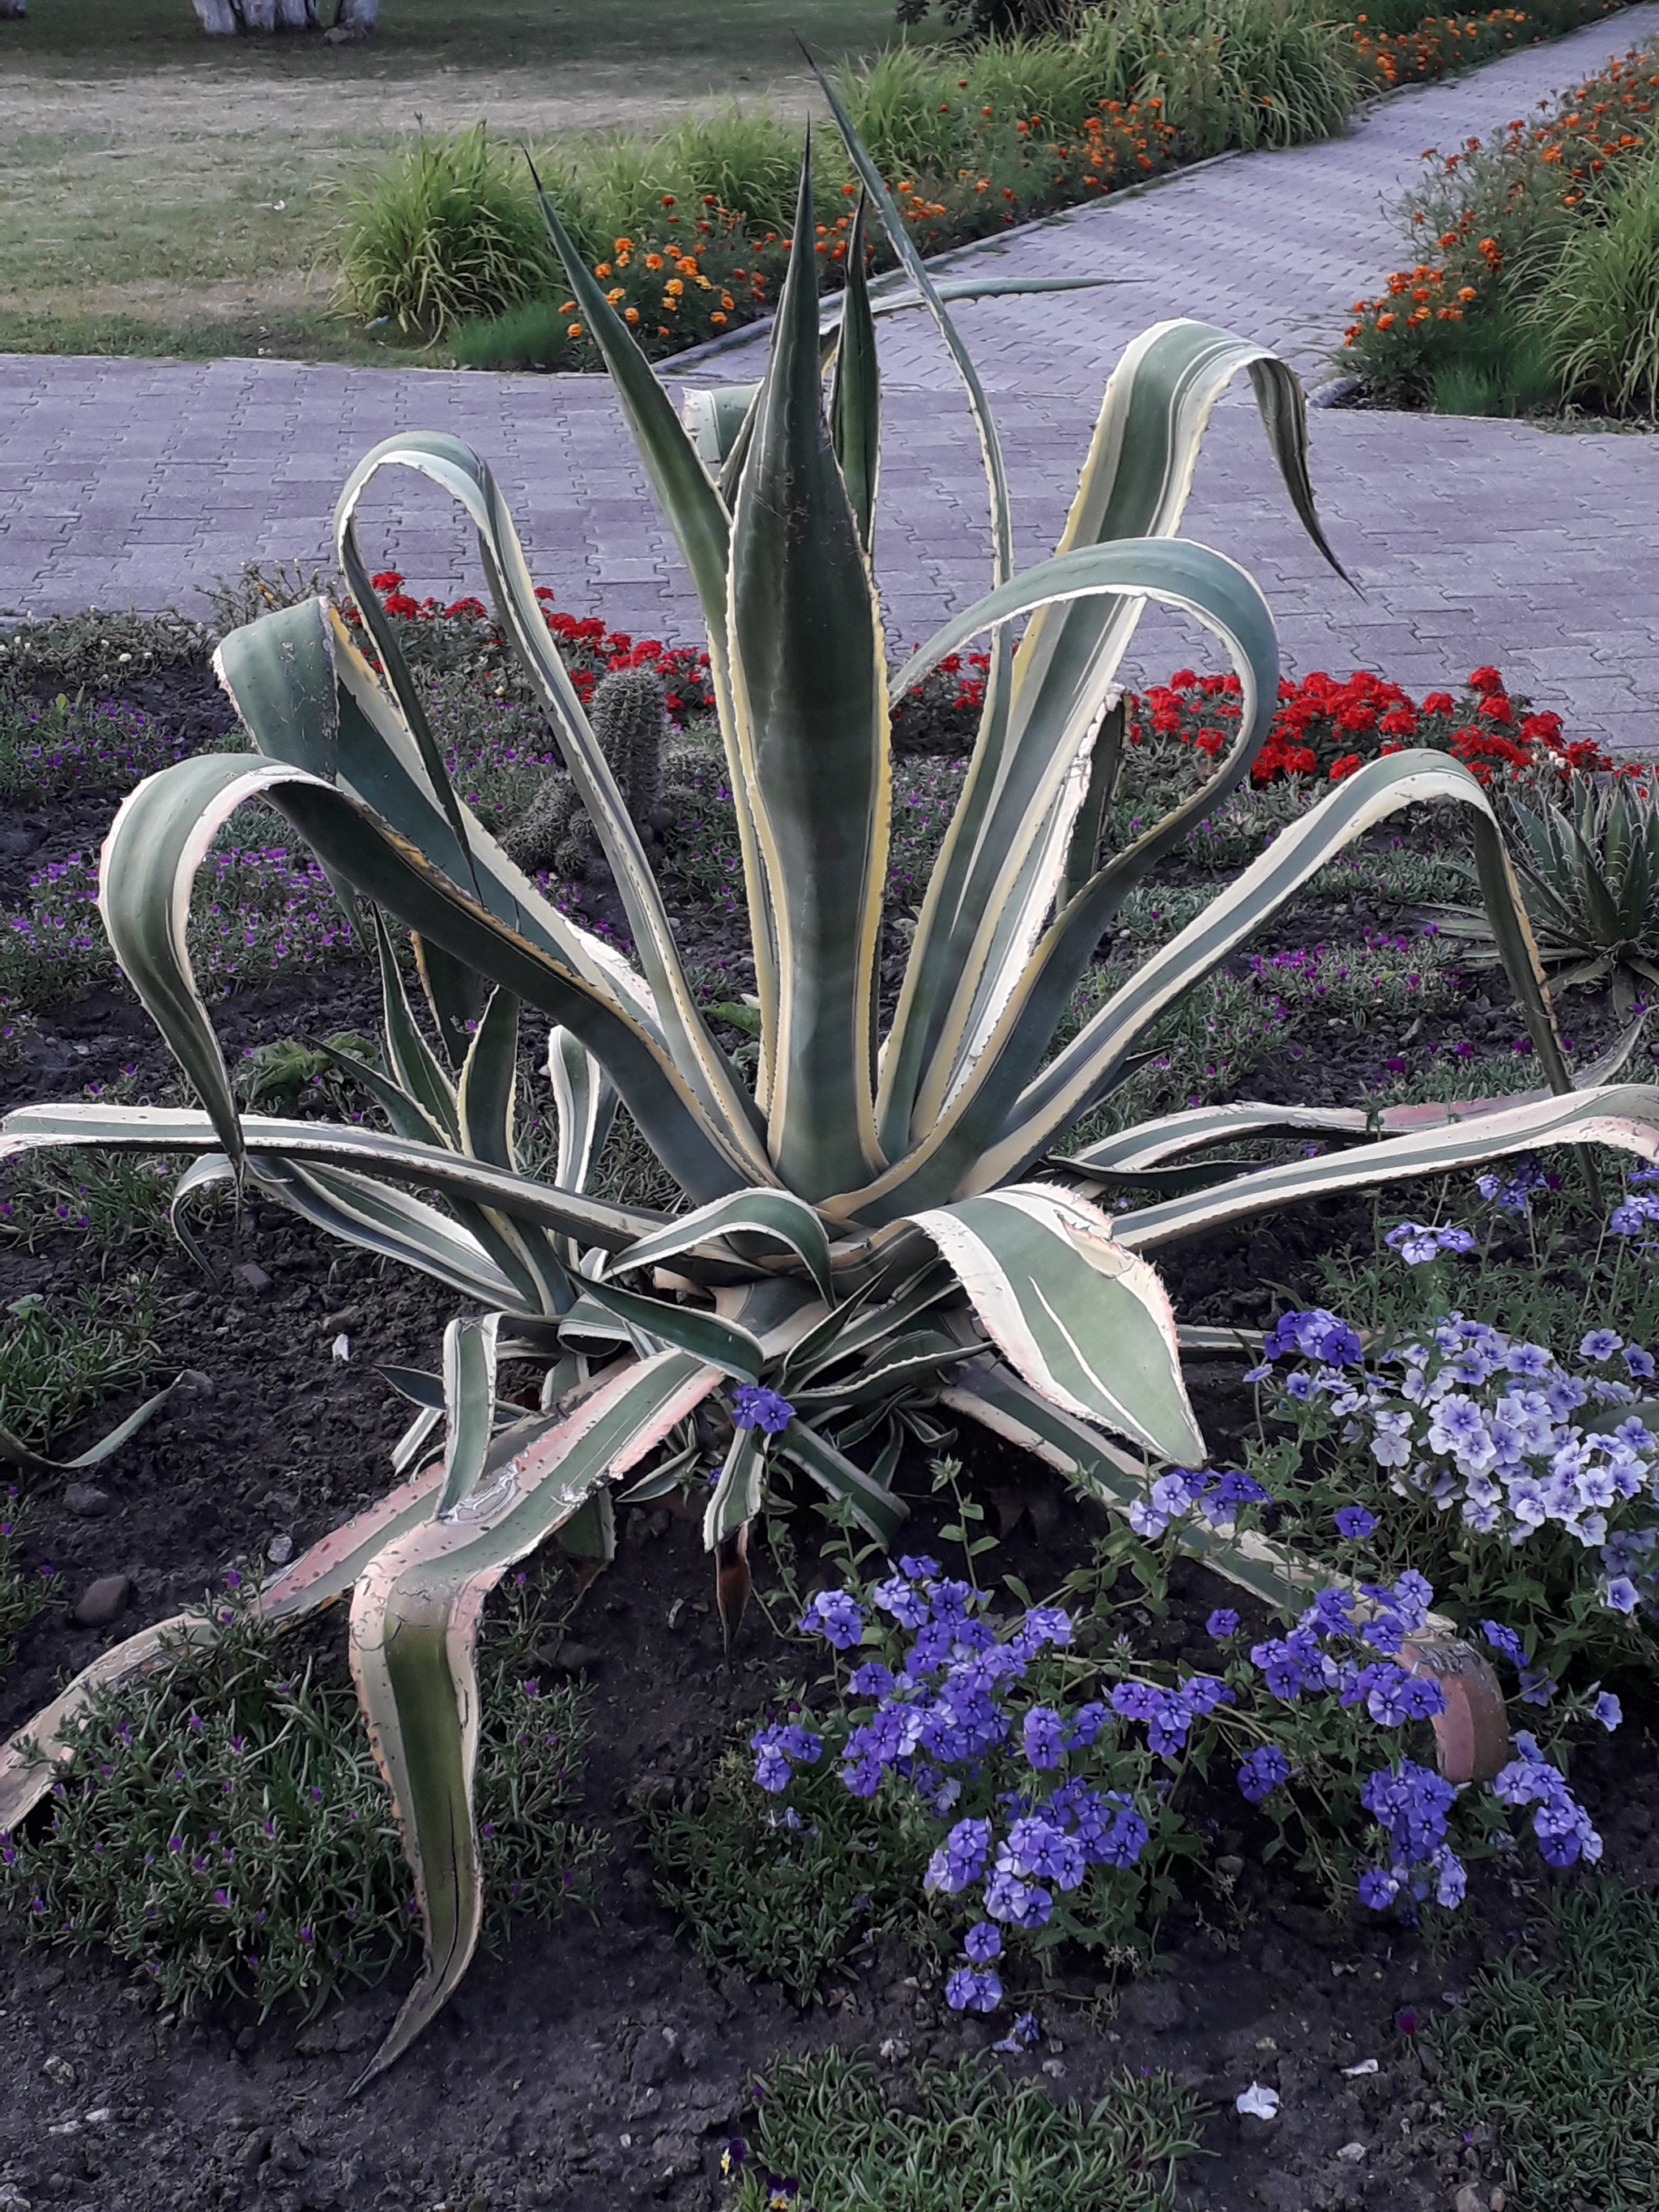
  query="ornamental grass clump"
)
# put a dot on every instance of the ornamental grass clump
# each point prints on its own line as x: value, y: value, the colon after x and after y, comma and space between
x: 875, y: 1233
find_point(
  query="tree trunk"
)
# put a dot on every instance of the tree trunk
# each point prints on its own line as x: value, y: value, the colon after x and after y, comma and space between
x: 10, y: 9
x: 217, y: 18
x: 292, y: 15
x: 260, y: 15
x: 354, y: 19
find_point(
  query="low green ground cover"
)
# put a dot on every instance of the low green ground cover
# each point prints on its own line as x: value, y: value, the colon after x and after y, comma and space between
x: 827, y: 2129
x: 269, y: 1867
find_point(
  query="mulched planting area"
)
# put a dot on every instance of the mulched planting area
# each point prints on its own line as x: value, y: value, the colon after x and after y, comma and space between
x: 596, y: 2063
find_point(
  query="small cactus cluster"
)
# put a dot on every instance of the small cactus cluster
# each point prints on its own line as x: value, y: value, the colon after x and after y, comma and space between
x: 554, y: 835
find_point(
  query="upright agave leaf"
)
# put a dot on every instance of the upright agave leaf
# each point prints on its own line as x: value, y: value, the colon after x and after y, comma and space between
x: 809, y: 684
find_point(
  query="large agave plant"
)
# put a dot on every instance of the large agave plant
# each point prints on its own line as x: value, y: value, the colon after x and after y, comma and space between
x: 878, y: 1225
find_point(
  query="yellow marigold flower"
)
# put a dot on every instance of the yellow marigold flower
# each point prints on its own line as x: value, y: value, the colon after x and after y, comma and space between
x: 704, y: 284
x: 631, y: 314
x: 617, y: 292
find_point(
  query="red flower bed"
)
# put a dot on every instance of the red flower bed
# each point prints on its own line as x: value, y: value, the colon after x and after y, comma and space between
x: 586, y: 647
x: 1324, y: 730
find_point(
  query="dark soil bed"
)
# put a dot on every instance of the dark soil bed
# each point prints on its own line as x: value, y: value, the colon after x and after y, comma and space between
x: 597, y: 2064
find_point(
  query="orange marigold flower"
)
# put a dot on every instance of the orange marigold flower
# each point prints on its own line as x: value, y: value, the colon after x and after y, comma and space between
x: 631, y: 314
x: 668, y: 199
x: 717, y: 316
x: 1385, y: 322
x: 574, y: 331
x: 653, y: 261
x: 601, y: 268
x: 1465, y: 292
x: 674, y: 288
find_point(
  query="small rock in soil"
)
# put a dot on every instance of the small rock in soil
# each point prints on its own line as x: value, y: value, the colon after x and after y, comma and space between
x: 85, y: 1500
x: 103, y: 1601
x: 250, y: 1278
x: 573, y: 1658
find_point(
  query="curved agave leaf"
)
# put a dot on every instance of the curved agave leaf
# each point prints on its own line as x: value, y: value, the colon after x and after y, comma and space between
x: 394, y: 1223
x: 178, y: 1129
x: 901, y: 1365
x: 414, y: 1622
x: 18, y: 1454
x: 468, y: 1397
x: 872, y: 1503
x: 775, y: 1216
x: 456, y: 469
x: 736, y: 1497
x: 809, y: 689
x: 1150, y: 1143
x: 722, y: 1344
x: 1075, y: 1313
x: 1134, y: 484
x: 1086, y: 1066
x: 975, y: 1094
x: 585, y: 1101
x: 1625, y: 1115
x: 160, y: 838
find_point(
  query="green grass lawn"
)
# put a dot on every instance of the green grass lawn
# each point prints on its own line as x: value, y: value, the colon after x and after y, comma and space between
x: 162, y: 192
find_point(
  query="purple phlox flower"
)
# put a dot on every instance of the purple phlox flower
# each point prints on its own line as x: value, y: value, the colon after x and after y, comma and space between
x: 983, y: 1942
x: 973, y: 1989
x: 1561, y: 1825
x: 1222, y: 1622
x: 1261, y: 1771
x: 1316, y: 1334
x: 1639, y: 1364
x: 1599, y: 1344
x: 1392, y: 1696
x: 1353, y: 1522
x: 1020, y: 2037
x: 872, y: 1680
x: 1378, y: 1888
x: 1537, y: 1688
x: 1410, y: 1803
x: 754, y: 1406
x: 1504, y: 1640
x: 1290, y: 1664
x: 833, y: 1615
x: 1609, y: 1710
x: 1020, y: 1904
x: 908, y: 1605
x: 960, y: 1859
x: 777, y: 1748
x: 1621, y: 1593
x: 918, y: 1570
x: 1043, y: 1624
x: 1042, y: 1737
x: 1417, y: 1243
x: 1084, y: 1727
x: 1036, y: 1850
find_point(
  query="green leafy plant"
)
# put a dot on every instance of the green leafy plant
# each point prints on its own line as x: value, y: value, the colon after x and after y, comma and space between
x: 969, y: 2140
x: 269, y: 1866
x: 874, y: 1221
x: 1590, y: 875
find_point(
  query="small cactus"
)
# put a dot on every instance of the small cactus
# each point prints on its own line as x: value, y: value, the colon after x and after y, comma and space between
x: 554, y: 835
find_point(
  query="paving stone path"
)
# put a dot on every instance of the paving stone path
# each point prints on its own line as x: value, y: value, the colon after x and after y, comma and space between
x: 126, y: 482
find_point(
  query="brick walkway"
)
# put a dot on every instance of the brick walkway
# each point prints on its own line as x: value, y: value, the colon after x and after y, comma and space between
x: 126, y: 482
